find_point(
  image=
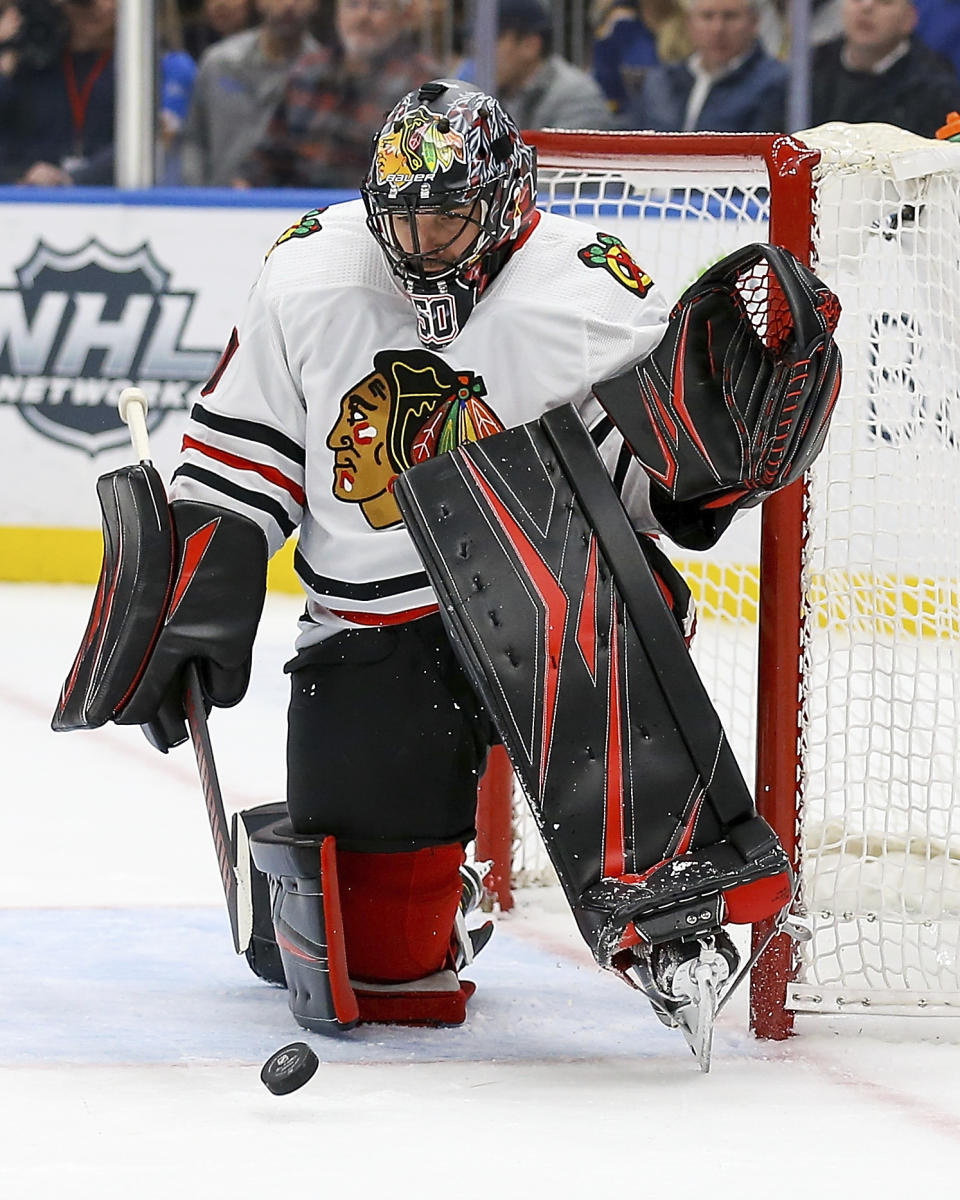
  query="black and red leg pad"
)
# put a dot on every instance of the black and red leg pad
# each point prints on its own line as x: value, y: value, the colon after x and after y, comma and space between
x: 308, y: 924
x: 398, y: 915
x: 571, y: 629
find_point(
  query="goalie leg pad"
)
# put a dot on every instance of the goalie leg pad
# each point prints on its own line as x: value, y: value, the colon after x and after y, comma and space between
x: 398, y: 911
x: 255, y: 922
x: 562, y: 626
x: 740, y: 880
x: 440, y: 1000
x: 389, y: 916
x: 308, y: 925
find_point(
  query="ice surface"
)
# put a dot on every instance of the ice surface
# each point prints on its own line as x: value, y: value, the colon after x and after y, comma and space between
x: 131, y: 1037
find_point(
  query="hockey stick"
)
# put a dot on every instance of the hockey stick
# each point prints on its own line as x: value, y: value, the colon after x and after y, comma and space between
x: 213, y: 797
x: 133, y: 410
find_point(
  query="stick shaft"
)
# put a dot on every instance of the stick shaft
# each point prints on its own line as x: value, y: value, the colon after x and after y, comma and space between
x: 133, y: 410
x: 213, y: 797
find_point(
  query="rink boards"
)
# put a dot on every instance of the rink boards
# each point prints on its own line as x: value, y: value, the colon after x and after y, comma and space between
x: 106, y: 289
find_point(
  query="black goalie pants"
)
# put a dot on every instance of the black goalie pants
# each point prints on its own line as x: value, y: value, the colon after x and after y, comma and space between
x: 386, y: 740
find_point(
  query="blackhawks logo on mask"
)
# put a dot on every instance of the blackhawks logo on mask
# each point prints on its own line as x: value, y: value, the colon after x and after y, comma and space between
x: 410, y: 407
x: 416, y: 148
x: 612, y: 255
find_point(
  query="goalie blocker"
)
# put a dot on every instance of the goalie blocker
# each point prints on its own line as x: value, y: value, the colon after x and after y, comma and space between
x: 178, y: 582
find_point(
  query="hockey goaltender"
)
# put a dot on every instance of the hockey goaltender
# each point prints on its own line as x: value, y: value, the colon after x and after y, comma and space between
x: 413, y: 384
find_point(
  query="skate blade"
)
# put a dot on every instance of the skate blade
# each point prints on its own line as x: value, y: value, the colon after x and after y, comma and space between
x: 694, y: 1010
x: 696, y: 1019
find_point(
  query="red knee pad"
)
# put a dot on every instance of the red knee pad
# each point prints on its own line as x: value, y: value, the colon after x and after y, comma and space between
x: 398, y: 911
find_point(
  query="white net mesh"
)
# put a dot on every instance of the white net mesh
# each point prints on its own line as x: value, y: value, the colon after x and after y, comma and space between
x: 881, y: 639
x: 880, y: 823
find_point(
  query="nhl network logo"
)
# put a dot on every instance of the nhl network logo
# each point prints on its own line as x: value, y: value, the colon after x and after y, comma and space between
x: 84, y: 324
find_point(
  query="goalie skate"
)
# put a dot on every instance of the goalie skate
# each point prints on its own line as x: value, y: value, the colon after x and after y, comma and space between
x: 684, y: 982
x: 469, y: 942
x: 689, y: 980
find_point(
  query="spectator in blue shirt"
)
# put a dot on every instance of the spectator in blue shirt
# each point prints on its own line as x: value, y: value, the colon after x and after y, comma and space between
x: 938, y: 27
x: 630, y: 38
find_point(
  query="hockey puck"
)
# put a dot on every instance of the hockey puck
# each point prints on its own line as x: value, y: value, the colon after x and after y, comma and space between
x: 289, y: 1068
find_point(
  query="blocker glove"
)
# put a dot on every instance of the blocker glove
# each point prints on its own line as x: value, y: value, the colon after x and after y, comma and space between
x: 179, y: 582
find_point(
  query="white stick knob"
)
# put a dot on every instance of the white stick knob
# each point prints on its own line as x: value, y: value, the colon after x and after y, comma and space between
x: 133, y: 411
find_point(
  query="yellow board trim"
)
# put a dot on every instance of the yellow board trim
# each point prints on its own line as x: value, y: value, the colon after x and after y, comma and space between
x: 36, y: 555
x: 857, y: 601
x: 725, y: 591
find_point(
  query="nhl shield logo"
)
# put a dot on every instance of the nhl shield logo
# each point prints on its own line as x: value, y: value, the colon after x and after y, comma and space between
x: 83, y: 324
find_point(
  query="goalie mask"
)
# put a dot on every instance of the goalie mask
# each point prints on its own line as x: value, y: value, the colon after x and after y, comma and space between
x: 449, y: 155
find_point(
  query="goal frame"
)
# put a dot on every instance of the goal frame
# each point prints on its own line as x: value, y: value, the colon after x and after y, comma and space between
x: 789, y: 165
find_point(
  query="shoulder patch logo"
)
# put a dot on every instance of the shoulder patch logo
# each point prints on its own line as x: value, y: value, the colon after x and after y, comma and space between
x: 307, y: 224
x: 412, y: 406
x: 612, y: 255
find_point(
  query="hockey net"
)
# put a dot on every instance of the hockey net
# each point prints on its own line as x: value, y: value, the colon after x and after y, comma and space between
x: 834, y: 665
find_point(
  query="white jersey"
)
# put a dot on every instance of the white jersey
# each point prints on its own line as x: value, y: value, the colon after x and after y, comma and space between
x: 325, y: 394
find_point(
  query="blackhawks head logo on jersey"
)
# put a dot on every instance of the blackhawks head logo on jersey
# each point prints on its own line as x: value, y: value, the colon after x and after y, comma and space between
x: 410, y: 407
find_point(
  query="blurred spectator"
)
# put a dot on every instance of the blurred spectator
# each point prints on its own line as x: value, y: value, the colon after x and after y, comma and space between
x: 877, y: 72
x: 216, y: 19
x: 178, y: 72
x: 826, y: 23
x: 630, y: 38
x: 437, y: 25
x: 335, y: 98
x: 540, y: 89
x: 239, y: 85
x: 938, y: 26
x: 729, y: 84
x: 57, y: 93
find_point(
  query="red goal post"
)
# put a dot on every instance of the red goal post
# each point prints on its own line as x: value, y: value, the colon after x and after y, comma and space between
x: 877, y: 213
